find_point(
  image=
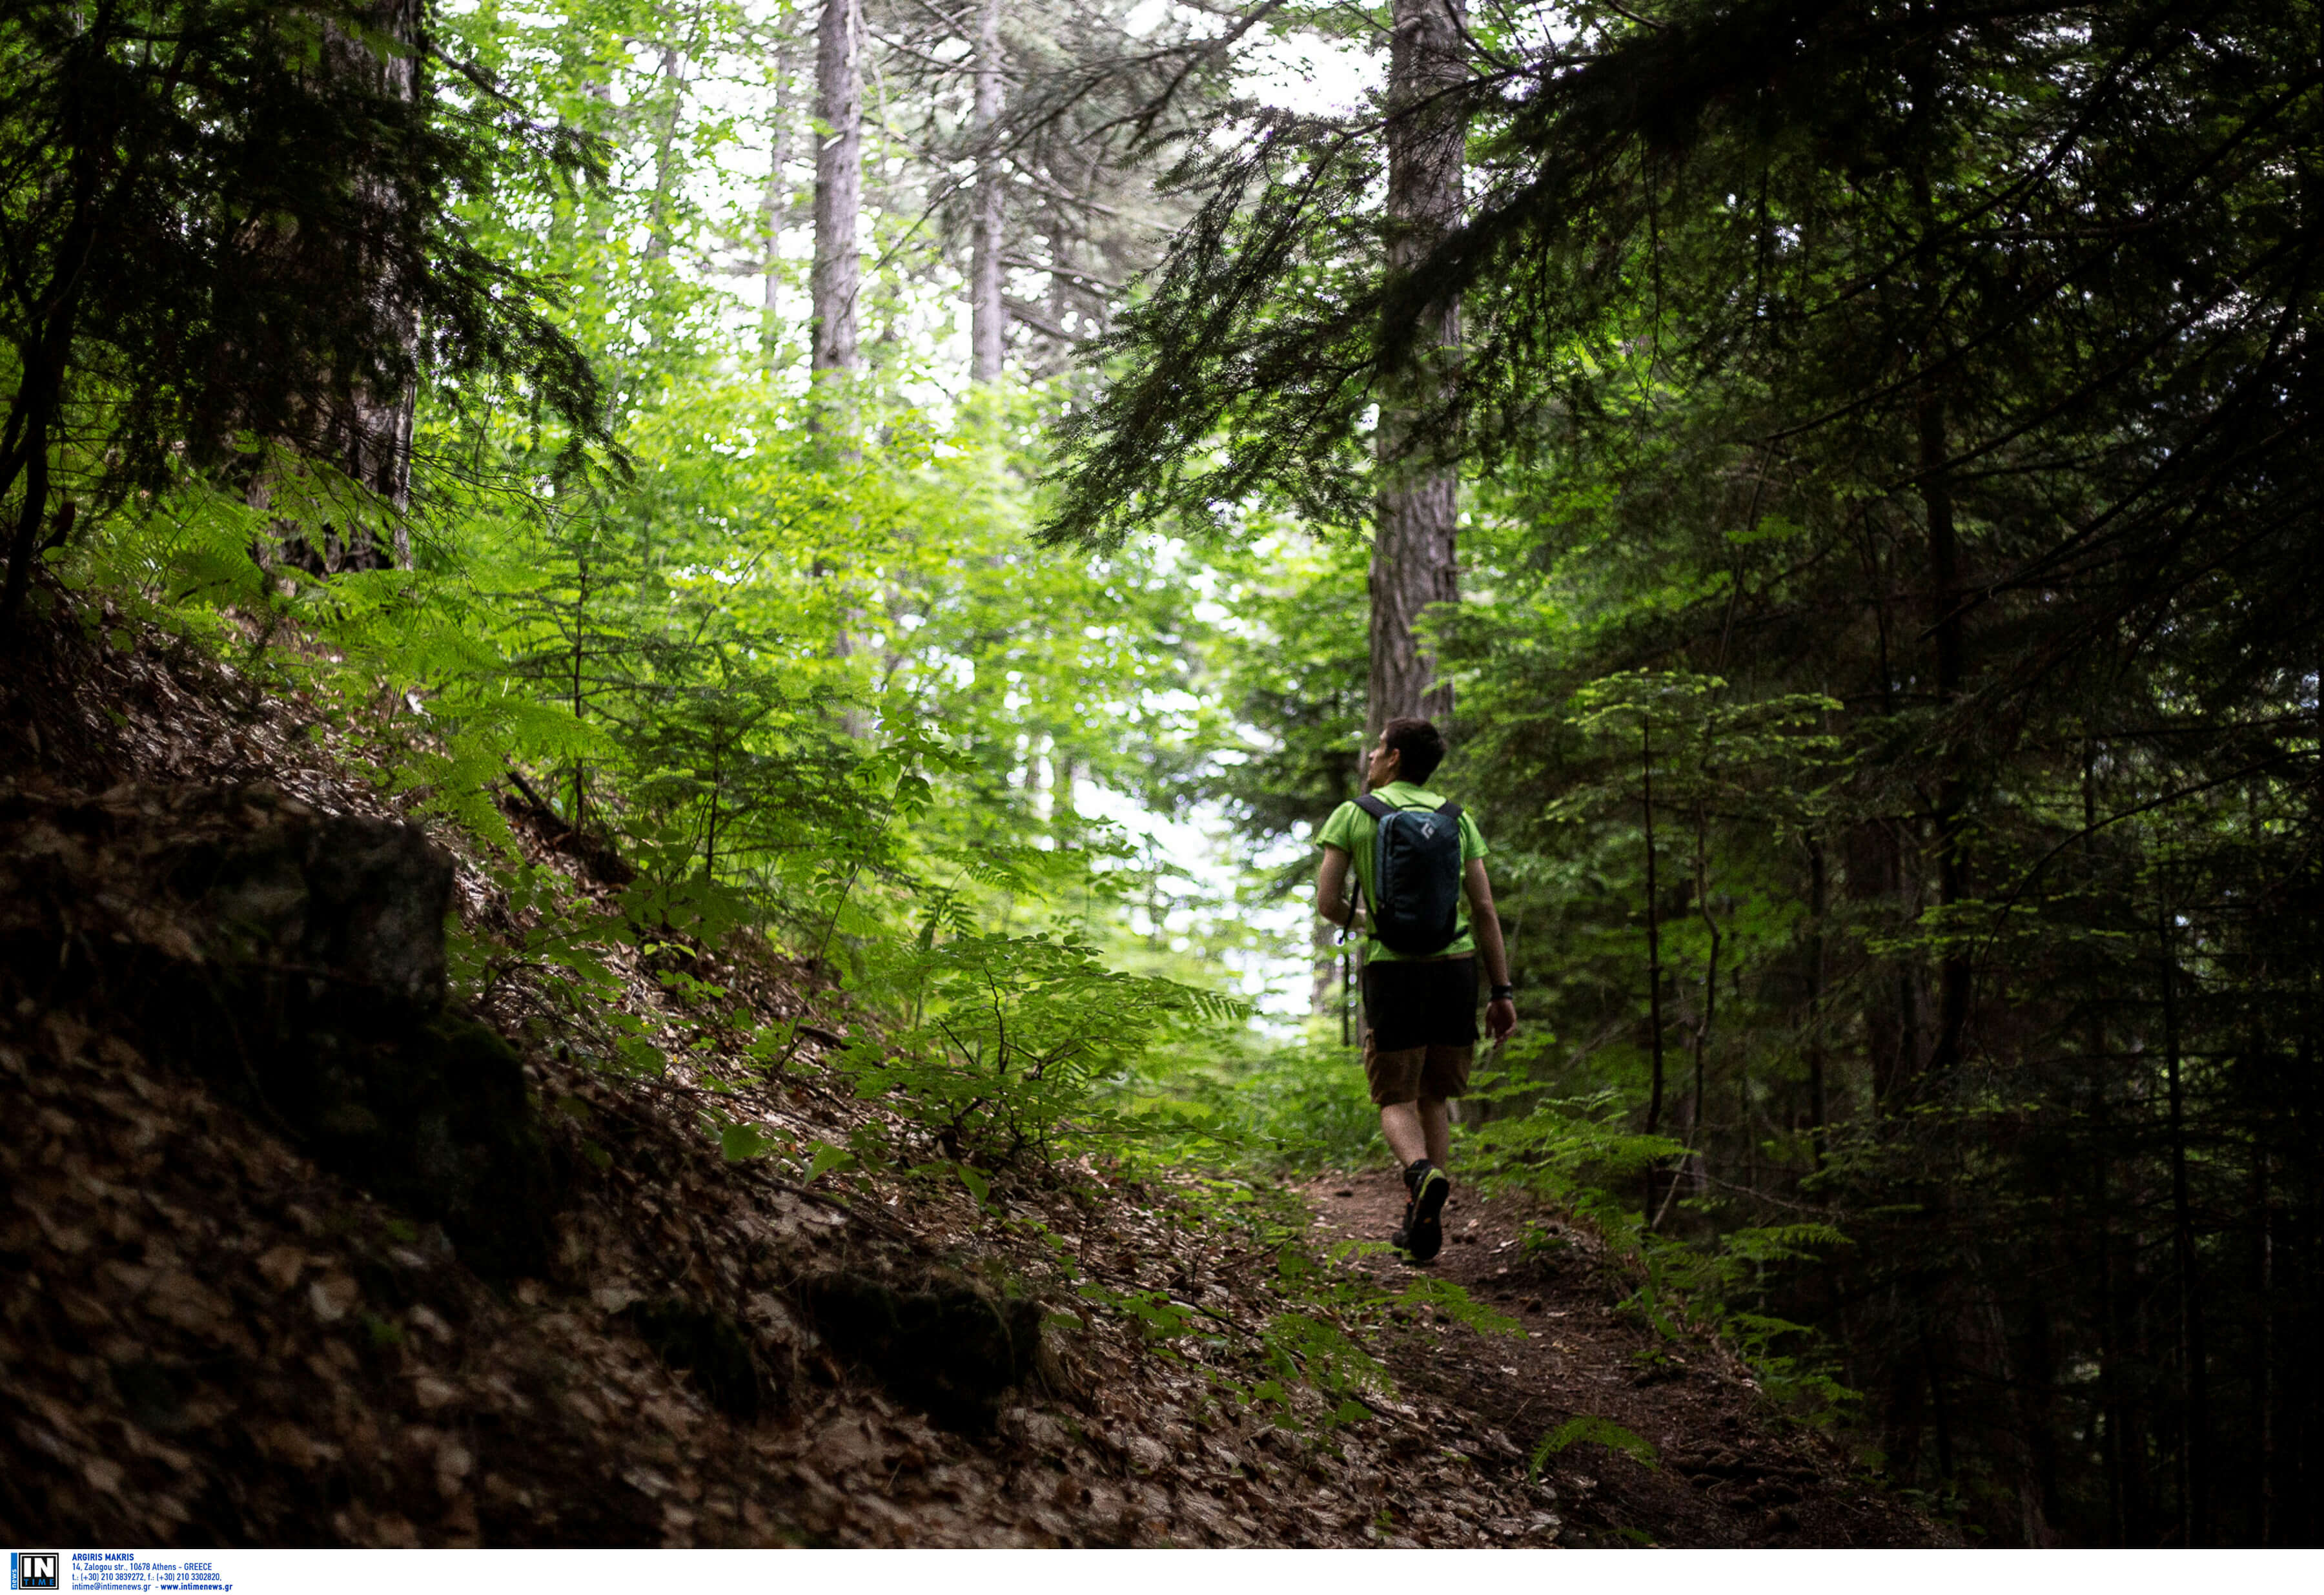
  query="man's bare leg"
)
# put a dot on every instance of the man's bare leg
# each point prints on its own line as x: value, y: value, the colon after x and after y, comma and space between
x: 1405, y: 1129
x: 1415, y: 1130
x: 1436, y: 1119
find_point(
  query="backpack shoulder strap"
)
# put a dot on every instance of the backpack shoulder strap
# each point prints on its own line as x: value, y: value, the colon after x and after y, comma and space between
x: 1380, y: 808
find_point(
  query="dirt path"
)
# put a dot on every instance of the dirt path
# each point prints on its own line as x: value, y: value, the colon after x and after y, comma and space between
x: 1728, y: 1472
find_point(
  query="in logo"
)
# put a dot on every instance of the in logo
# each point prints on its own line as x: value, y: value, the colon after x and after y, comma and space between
x: 32, y: 1569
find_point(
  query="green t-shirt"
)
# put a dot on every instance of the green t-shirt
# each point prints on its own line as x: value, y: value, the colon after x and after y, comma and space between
x: 1351, y: 830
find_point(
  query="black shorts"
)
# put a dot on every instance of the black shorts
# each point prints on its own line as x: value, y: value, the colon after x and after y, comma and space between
x: 1421, y: 1003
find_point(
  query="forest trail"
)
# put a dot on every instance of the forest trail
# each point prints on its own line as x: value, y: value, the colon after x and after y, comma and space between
x: 1725, y: 1471
x: 228, y: 1319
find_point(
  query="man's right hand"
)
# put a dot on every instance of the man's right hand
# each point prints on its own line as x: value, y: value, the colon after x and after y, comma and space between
x: 1500, y: 1018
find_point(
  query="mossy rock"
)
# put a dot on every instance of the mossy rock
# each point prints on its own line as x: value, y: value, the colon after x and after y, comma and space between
x: 438, y: 1121
x: 295, y: 959
x: 432, y: 1116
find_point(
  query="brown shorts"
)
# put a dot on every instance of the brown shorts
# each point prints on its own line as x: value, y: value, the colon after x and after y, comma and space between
x: 1420, y: 1027
x: 1410, y: 1073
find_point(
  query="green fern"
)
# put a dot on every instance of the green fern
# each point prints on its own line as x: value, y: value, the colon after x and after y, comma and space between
x: 1450, y: 1301
x: 1583, y: 1428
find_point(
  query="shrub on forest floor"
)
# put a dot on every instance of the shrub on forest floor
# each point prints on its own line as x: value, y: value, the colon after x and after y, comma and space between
x: 1006, y: 1040
x: 1295, y: 1109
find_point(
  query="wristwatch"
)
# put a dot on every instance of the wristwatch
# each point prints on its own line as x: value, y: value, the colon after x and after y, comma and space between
x: 1502, y: 994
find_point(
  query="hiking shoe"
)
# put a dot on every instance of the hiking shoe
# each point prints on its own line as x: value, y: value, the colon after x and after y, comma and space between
x: 1422, y: 1235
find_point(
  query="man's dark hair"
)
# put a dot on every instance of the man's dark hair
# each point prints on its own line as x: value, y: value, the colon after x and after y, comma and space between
x: 1420, y: 744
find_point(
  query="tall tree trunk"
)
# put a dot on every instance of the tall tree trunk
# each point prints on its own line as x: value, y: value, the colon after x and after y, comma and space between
x: 1060, y: 276
x: 1945, y: 622
x: 364, y: 432
x: 987, y: 313
x: 1939, y: 1408
x: 36, y: 410
x: 2264, y: 1374
x: 1815, y: 1048
x: 775, y: 201
x: 34, y: 420
x: 1698, y: 1158
x: 1892, y: 1016
x: 838, y: 275
x: 1654, y: 965
x: 772, y: 202
x: 2112, y: 1406
x: 2194, y: 1443
x: 1413, y: 542
x: 373, y: 441
x: 666, y: 76
x: 836, y: 281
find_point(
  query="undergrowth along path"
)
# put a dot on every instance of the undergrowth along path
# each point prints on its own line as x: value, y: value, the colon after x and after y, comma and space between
x: 1655, y: 1442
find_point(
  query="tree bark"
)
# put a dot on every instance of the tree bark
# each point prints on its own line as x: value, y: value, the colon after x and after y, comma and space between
x: 1654, y: 965
x: 1815, y: 1048
x: 1700, y: 1156
x: 2112, y: 1406
x: 37, y: 403
x: 2264, y: 1376
x: 838, y: 274
x: 667, y: 76
x: 988, y: 311
x: 775, y: 203
x: 1945, y: 622
x: 2194, y: 1444
x: 374, y: 444
x: 34, y: 413
x: 1416, y: 509
x: 362, y: 431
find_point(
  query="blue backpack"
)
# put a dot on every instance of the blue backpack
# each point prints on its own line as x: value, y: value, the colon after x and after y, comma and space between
x: 1415, y: 875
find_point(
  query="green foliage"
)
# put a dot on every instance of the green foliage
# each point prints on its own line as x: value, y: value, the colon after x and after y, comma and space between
x: 1290, y: 1109
x: 1583, y: 1428
x: 1577, y: 1154
x: 1310, y: 1347
x: 1569, y: 1149
x: 795, y: 672
x: 1451, y: 1301
x: 227, y: 225
x: 1293, y: 664
x: 1008, y: 1038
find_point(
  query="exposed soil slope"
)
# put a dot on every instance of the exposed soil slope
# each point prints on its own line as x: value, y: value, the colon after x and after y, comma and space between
x: 231, y: 1317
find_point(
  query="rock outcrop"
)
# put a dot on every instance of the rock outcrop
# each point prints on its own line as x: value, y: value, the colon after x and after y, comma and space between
x: 296, y: 961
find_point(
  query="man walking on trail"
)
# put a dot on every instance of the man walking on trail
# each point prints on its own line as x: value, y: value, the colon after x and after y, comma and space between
x: 1420, y: 878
